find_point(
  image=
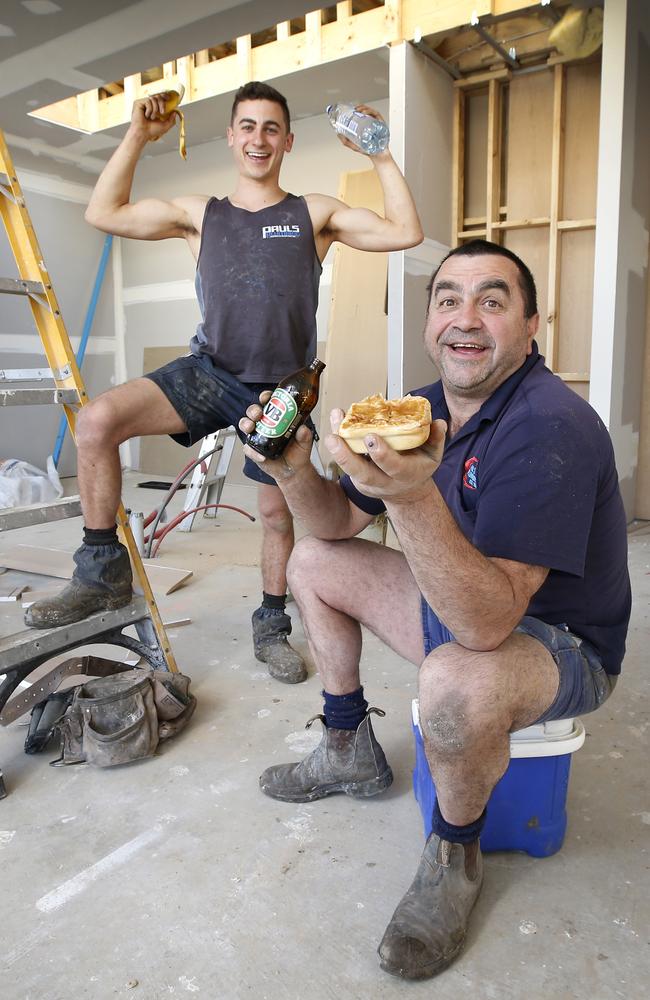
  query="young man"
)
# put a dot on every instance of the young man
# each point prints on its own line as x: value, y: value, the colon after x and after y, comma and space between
x: 259, y: 254
x: 513, y: 616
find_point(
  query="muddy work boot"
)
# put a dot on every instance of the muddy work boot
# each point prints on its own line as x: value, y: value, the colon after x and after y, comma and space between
x: 427, y: 930
x: 345, y: 760
x: 270, y: 630
x: 101, y: 582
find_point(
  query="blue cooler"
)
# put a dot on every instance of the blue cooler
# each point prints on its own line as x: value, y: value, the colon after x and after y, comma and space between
x: 527, y: 809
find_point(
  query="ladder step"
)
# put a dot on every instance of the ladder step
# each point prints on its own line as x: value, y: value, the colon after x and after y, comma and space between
x: 26, y: 374
x: 30, y: 642
x: 17, y: 286
x: 34, y: 397
x: 39, y: 513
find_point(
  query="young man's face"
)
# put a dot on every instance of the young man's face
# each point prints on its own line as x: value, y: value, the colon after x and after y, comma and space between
x: 476, y: 332
x: 259, y: 138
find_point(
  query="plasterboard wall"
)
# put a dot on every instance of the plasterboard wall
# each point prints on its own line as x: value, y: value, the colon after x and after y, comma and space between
x: 72, y: 251
x: 421, y: 106
x: 622, y: 234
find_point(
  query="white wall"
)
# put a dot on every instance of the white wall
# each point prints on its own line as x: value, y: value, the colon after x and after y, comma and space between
x: 72, y: 251
x: 622, y: 233
x: 421, y: 106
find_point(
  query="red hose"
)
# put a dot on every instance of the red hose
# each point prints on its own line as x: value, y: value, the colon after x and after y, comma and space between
x: 181, y: 517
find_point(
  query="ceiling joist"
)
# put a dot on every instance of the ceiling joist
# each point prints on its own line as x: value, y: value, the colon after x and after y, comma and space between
x: 447, y: 31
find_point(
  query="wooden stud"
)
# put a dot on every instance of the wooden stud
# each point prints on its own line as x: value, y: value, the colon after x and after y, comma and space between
x: 88, y: 108
x: 576, y: 224
x: 554, y: 244
x: 458, y: 168
x: 202, y: 58
x: 244, y: 59
x: 313, y: 38
x: 522, y: 223
x: 185, y: 75
x: 493, y: 159
x: 132, y: 87
x: 480, y: 79
x: 343, y: 10
x: 393, y: 15
x: 283, y: 31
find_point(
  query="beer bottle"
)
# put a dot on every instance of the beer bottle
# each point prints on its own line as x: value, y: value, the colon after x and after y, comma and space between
x: 289, y: 406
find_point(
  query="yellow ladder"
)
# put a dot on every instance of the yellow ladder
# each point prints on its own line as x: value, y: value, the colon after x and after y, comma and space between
x: 69, y: 390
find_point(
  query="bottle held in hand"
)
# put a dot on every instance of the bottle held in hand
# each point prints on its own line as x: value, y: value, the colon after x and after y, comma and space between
x: 289, y: 406
x: 367, y: 133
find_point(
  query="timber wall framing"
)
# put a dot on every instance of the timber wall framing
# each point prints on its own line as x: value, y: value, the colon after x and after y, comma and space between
x: 282, y: 49
x: 525, y: 155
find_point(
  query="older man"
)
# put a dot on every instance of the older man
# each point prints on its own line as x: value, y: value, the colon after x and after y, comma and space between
x: 511, y: 592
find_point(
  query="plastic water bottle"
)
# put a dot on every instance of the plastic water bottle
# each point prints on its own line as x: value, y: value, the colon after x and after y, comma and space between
x: 367, y: 133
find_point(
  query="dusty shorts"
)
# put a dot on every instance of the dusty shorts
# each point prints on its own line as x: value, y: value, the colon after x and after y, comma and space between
x: 584, y: 683
x: 208, y: 399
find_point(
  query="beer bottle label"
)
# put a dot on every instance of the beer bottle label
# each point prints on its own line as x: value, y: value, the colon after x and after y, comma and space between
x: 278, y: 415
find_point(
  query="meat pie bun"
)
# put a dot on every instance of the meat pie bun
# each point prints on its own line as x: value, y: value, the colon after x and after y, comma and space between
x: 403, y: 423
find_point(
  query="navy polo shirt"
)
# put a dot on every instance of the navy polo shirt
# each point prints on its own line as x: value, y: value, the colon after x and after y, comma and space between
x: 531, y: 477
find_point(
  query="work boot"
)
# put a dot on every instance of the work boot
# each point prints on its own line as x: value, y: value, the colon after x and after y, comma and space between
x: 270, y: 630
x: 428, y: 928
x: 345, y: 760
x: 101, y: 582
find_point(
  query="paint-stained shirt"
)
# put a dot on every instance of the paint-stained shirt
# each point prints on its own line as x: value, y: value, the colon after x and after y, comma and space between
x: 257, y: 280
x: 531, y: 477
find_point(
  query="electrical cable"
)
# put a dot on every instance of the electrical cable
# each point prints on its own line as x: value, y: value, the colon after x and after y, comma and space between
x: 181, y: 517
x: 172, y: 490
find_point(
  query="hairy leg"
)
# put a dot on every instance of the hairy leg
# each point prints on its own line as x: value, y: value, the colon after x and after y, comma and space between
x: 469, y: 704
x: 342, y: 585
x: 277, y: 538
x: 131, y: 410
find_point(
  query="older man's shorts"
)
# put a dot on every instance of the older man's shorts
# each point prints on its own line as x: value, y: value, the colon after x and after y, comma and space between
x: 584, y: 683
x: 208, y: 399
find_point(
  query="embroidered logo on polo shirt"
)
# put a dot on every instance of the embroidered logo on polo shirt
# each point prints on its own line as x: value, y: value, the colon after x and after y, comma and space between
x: 470, y: 479
x: 273, y: 232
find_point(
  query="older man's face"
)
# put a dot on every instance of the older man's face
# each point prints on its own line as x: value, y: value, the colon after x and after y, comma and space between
x: 476, y: 332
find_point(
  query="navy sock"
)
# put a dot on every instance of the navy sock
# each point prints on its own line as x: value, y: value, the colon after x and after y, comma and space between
x: 456, y: 834
x: 274, y: 601
x: 345, y: 711
x: 100, y: 536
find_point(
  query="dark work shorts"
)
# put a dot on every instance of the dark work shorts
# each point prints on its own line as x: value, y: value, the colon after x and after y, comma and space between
x: 584, y: 683
x: 208, y: 399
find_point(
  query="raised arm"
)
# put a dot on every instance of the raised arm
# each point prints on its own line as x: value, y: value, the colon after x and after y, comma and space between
x: 110, y: 208
x: 362, y: 228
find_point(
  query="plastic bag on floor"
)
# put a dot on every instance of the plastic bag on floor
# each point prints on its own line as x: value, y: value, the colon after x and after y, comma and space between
x: 22, y: 484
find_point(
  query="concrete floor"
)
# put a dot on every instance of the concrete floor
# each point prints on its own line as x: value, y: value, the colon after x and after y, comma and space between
x: 176, y: 876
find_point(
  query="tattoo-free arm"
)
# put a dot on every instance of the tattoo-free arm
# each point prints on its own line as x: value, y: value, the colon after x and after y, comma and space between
x: 110, y: 208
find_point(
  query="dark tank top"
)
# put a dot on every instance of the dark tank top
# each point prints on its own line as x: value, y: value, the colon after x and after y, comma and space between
x: 257, y: 284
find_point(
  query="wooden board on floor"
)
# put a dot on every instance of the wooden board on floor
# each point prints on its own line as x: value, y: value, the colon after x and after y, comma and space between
x: 53, y: 562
